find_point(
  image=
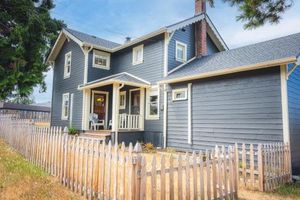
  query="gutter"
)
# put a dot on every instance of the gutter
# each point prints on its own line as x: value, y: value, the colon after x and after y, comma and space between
x: 261, y: 65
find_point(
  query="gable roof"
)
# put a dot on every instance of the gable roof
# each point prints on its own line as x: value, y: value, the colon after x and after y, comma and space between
x: 270, y: 53
x: 123, y: 77
x: 93, y: 39
x: 84, y: 39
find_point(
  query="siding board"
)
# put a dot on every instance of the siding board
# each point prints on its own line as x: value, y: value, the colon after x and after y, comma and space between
x: 242, y: 107
x: 293, y: 86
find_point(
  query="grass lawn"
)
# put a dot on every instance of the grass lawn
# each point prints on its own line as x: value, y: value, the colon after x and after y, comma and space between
x: 21, y: 180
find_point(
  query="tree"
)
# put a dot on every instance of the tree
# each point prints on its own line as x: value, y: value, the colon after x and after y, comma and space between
x: 24, y: 100
x: 27, y: 32
x: 256, y: 13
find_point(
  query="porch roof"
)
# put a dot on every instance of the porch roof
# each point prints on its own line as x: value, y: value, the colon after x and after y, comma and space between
x: 122, y: 78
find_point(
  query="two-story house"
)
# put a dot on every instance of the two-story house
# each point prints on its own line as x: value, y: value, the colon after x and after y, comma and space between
x: 179, y: 86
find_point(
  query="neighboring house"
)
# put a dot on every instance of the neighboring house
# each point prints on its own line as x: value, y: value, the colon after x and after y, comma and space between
x: 25, y: 111
x: 180, y: 86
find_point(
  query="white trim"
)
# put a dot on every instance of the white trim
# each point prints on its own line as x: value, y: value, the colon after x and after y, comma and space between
x: 181, y: 65
x: 124, y: 106
x: 142, y: 108
x: 292, y: 70
x: 86, y: 108
x: 134, y: 50
x: 284, y: 103
x: 106, y: 106
x: 86, y: 51
x: 166, y: 56
x: 184, y: 52
x: 132, y: 90
x: 148, y: 92
x: 63, y: 116
x: 102, y: 55
x: 71, y: 110
x: 261, y: 65
x: 165, y: 120
x: 190, y: 113
x: 67, y: 74
x: 174, y: 91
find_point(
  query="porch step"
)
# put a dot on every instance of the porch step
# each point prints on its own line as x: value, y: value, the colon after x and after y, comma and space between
x: 97, y: 134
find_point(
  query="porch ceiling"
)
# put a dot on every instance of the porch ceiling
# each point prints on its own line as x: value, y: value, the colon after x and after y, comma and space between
x: 122, y: 78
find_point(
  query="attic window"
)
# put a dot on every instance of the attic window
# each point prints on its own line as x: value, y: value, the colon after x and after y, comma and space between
x: 68, y: 62
x: 101, y: 60
x: 181, y: 51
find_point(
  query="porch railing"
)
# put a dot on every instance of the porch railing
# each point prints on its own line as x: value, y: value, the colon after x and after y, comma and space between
x: 127, y: 121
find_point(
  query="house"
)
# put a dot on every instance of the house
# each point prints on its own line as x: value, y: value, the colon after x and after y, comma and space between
x: 24, y: 111
x: 180, y: 86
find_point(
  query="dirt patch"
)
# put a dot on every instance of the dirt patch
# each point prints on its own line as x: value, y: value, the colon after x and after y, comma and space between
x: 253, y: 195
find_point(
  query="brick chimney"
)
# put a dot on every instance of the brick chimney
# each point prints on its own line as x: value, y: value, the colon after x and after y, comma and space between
x: 200, y: 30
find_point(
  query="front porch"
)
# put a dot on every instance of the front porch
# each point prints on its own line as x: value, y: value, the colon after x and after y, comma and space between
x: 118, y: 101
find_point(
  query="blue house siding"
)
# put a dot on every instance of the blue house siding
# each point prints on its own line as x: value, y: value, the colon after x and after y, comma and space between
x: 211, y: 47
x: 152, y: 67
x: 187, y: 36
x: 69, y: 85
x: 293, y: 85
x: 96, y: 73
x: 242, y: 107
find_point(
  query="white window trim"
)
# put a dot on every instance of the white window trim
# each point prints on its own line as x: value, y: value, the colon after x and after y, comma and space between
x: 149, y: 91
x: 63, y: 117
x: 124, y: 106
x: 133, y: 54
x: 184, y: 53
x: 179, y: 90
x: 67, y: 75
x: 103, y: 55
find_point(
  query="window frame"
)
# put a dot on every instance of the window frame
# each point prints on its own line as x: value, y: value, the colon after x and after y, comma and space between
x: 153, y: 91
x: 102, y: 55
x: 134, y: 51
x: 174, y: 91
x: 184, y: 52
x: 63, y: 116
x: 67, y: 74
x: 124, y: 94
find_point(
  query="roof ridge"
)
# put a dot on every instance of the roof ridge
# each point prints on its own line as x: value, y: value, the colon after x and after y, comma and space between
x: 94, y: 36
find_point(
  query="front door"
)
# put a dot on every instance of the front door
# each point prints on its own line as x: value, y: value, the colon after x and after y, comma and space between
x: 100, y: 105
x: 135, y: 102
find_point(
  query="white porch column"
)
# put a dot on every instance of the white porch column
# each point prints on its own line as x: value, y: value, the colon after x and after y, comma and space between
x: 142, y: 109
x: 115, y: 108
x: 86, y: 108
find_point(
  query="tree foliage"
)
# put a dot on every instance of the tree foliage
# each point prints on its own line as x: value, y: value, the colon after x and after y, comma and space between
x: 26, y: 33
x: 255, y: 13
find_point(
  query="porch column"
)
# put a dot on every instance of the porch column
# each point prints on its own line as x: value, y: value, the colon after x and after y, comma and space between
x: 115, y: 108
x: 86, y: 108
x: 142, y: 109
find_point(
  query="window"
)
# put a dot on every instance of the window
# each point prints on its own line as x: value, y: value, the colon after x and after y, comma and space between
x: 67, y: 68
x: 137, y: 55
x: 152, y: 103
x: 65, y: 106
x: 181, y: 52
x: 123, y: 100
x: 179, y: 94
x: 101, y: 60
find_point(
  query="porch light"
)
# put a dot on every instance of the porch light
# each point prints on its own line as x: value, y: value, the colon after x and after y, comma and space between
x: 100, y: 100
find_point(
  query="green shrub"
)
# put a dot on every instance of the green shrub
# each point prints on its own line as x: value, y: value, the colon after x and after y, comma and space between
x: 170, y: 150
x: 73, y: 131
x: 149, y: 148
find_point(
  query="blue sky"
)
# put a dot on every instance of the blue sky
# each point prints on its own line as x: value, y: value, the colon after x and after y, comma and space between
x: 116, y: 19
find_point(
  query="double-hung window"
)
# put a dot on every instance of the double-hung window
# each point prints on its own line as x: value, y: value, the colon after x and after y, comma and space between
x: 152, y: 102
x: 138, y: 55
x: 68, y: 62
x: 65, y: 106
x: 181, y: 52
x: 123, y: 100
x: 101, y: 60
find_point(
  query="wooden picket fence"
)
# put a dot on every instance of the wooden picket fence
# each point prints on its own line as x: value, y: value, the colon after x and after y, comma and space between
x: 263, y: 167
x: 97, y: 170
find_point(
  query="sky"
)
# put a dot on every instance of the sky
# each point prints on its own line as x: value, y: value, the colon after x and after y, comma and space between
x: 116, y: 19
